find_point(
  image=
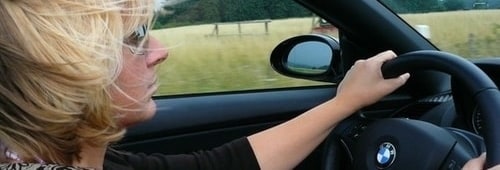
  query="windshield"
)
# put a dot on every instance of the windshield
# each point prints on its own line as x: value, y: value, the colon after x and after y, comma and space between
x: 469, y: 28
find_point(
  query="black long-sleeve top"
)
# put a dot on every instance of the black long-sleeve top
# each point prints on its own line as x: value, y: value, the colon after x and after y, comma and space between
x: 237, y: 155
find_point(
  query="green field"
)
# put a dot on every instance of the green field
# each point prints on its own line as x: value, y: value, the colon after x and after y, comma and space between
x: 199, y: 62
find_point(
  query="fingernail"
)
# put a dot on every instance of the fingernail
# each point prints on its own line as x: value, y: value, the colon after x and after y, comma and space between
x: 405, y: 76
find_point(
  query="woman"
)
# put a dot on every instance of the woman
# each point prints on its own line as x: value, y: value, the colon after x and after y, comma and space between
x: 76, y: 73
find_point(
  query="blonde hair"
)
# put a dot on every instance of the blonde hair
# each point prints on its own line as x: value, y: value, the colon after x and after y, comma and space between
x: 58, y: 60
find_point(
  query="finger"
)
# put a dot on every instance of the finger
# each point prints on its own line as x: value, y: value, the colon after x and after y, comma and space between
x: 358, y: 62
x: 495, y: 168
x: 476, y: 163
x: 384, y: 56
x: 400, y: 80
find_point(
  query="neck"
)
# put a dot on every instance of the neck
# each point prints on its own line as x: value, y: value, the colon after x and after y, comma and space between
x: 91, y: 157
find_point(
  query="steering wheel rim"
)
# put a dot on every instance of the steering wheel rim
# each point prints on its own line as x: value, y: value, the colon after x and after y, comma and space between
x: 474, y: 79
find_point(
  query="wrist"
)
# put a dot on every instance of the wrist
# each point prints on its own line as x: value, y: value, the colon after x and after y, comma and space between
x: 345, y: 106
x: 348, y: 102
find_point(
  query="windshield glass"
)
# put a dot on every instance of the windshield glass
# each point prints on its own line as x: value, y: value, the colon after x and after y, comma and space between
x: 469, y: 28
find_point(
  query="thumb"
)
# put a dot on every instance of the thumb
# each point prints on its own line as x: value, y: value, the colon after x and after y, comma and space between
x: 476, y: 163
x: 400, y: 80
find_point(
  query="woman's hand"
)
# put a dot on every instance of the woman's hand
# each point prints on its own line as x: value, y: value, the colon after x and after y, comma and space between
x: 364, y: 83
x: 478, y: 163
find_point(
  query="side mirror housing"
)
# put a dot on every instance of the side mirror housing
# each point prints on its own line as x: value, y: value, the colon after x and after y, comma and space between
x: 311, y: 57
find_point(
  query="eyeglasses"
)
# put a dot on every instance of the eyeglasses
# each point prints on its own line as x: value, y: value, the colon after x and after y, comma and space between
x: 136, y: 43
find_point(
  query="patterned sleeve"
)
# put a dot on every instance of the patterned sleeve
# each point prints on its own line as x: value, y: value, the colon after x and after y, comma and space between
x: 38, y: 166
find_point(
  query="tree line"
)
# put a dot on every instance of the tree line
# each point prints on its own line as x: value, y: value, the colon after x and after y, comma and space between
x: 209, y: 11
x: 421, y: 6
x: 191, y: 12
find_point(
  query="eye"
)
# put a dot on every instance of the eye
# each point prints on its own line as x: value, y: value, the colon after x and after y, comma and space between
x: 138, y: 36
x: 141, y: 32
x: 136, y: 41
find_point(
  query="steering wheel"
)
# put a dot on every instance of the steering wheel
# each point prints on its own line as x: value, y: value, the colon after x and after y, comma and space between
x: 395, y: 143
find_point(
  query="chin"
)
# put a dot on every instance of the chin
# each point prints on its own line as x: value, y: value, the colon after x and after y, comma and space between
x: 133, y: 118
x: 149, y: 112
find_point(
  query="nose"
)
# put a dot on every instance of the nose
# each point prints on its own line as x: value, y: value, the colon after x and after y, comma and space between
x: 157, y: 52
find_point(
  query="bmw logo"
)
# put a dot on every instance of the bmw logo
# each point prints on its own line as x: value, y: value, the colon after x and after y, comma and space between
x: 386, y: 155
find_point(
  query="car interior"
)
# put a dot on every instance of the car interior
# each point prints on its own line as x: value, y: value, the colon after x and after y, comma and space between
x: 446, y: 114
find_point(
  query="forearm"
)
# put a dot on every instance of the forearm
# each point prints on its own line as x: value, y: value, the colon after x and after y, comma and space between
x: 286, y: 145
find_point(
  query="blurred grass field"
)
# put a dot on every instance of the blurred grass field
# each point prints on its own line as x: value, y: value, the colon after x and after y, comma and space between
x: 474, y: 33
x: 200, y: 62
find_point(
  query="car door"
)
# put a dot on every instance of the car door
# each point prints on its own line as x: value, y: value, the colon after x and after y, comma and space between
x: 218, y: 85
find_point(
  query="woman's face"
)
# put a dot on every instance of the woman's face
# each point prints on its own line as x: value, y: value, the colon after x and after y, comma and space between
x: 138, y: 82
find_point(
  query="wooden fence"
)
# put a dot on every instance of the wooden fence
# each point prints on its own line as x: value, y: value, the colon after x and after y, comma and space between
x: 217, y: 27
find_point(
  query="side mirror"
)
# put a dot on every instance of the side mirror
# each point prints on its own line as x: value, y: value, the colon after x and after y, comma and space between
x: 312, y: 57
